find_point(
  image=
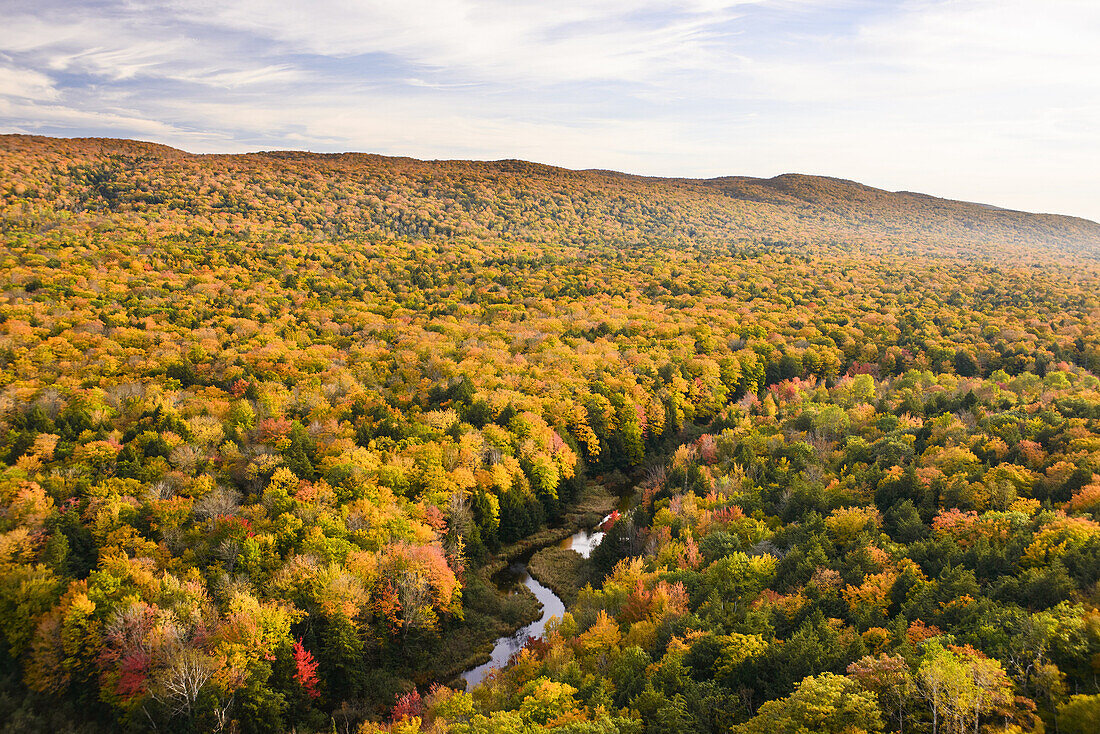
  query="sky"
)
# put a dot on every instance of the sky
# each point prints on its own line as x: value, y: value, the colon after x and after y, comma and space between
x: 996, y: 101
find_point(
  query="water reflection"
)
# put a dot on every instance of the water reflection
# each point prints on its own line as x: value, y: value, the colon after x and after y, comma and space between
x: 506, y: 647
x: 583, y: 542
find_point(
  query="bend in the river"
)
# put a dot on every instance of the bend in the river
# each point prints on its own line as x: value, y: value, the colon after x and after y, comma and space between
x: 583, y: 542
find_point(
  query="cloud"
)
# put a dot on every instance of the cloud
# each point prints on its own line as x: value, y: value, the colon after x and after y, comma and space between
x: 38, y: 116
x: 989, y: 100
x: 26, y: 84
x: 530, y: 42
x: 495, y: 40
x: 937, y: 49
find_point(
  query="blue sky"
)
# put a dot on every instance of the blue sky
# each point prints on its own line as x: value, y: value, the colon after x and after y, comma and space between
x: 986, y: 100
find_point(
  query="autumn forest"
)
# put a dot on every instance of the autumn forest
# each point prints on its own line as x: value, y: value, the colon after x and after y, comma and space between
x: 272, y: 425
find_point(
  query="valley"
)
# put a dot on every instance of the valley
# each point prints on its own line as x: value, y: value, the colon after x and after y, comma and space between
x: 289, y: 442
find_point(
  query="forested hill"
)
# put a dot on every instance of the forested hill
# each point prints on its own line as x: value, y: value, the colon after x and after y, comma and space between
x: 359, y: 194
x: 270, y: 423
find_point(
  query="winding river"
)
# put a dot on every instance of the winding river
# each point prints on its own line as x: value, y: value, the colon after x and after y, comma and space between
x: 516, y: 574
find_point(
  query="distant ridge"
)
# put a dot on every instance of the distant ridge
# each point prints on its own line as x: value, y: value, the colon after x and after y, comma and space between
x: 353, y: 194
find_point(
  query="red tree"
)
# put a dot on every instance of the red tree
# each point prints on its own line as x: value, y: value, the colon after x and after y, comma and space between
x: 305, y: 669
x: 408, y: 706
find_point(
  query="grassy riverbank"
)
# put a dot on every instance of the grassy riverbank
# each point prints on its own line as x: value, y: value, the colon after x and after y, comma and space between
x: 562, y: 570
x: 491, y: 613
x: 591, y: 507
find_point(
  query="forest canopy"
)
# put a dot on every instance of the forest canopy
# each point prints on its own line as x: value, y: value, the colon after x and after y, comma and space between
x: 266, y: 421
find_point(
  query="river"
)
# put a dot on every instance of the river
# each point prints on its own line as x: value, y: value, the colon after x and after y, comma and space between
x: 516, y: 574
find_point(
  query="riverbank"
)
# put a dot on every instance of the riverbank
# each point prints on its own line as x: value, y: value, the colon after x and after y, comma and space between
x: 489, y: 614
x: 591, y: 507
x: 492, y: 613
x: 566, y: 568
x: 562, y: 570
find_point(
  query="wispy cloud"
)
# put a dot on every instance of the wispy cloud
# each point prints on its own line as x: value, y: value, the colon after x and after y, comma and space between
x: 982, y: 99
x: 493, y: 40
x: 26, y: 84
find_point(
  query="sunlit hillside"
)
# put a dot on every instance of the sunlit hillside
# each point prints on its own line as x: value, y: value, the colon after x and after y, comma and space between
x: 273, y: 426
x: 370, y: 195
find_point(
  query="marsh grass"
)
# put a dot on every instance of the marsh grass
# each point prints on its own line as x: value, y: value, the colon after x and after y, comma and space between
x: 489, y: 614
x: 563, y: 570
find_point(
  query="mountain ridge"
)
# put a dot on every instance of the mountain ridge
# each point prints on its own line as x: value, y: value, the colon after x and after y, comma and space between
x: 513, y: 199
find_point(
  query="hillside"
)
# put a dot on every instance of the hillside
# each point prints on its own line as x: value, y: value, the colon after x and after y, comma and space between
x: 358, y: 194
x: 270, y: 425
